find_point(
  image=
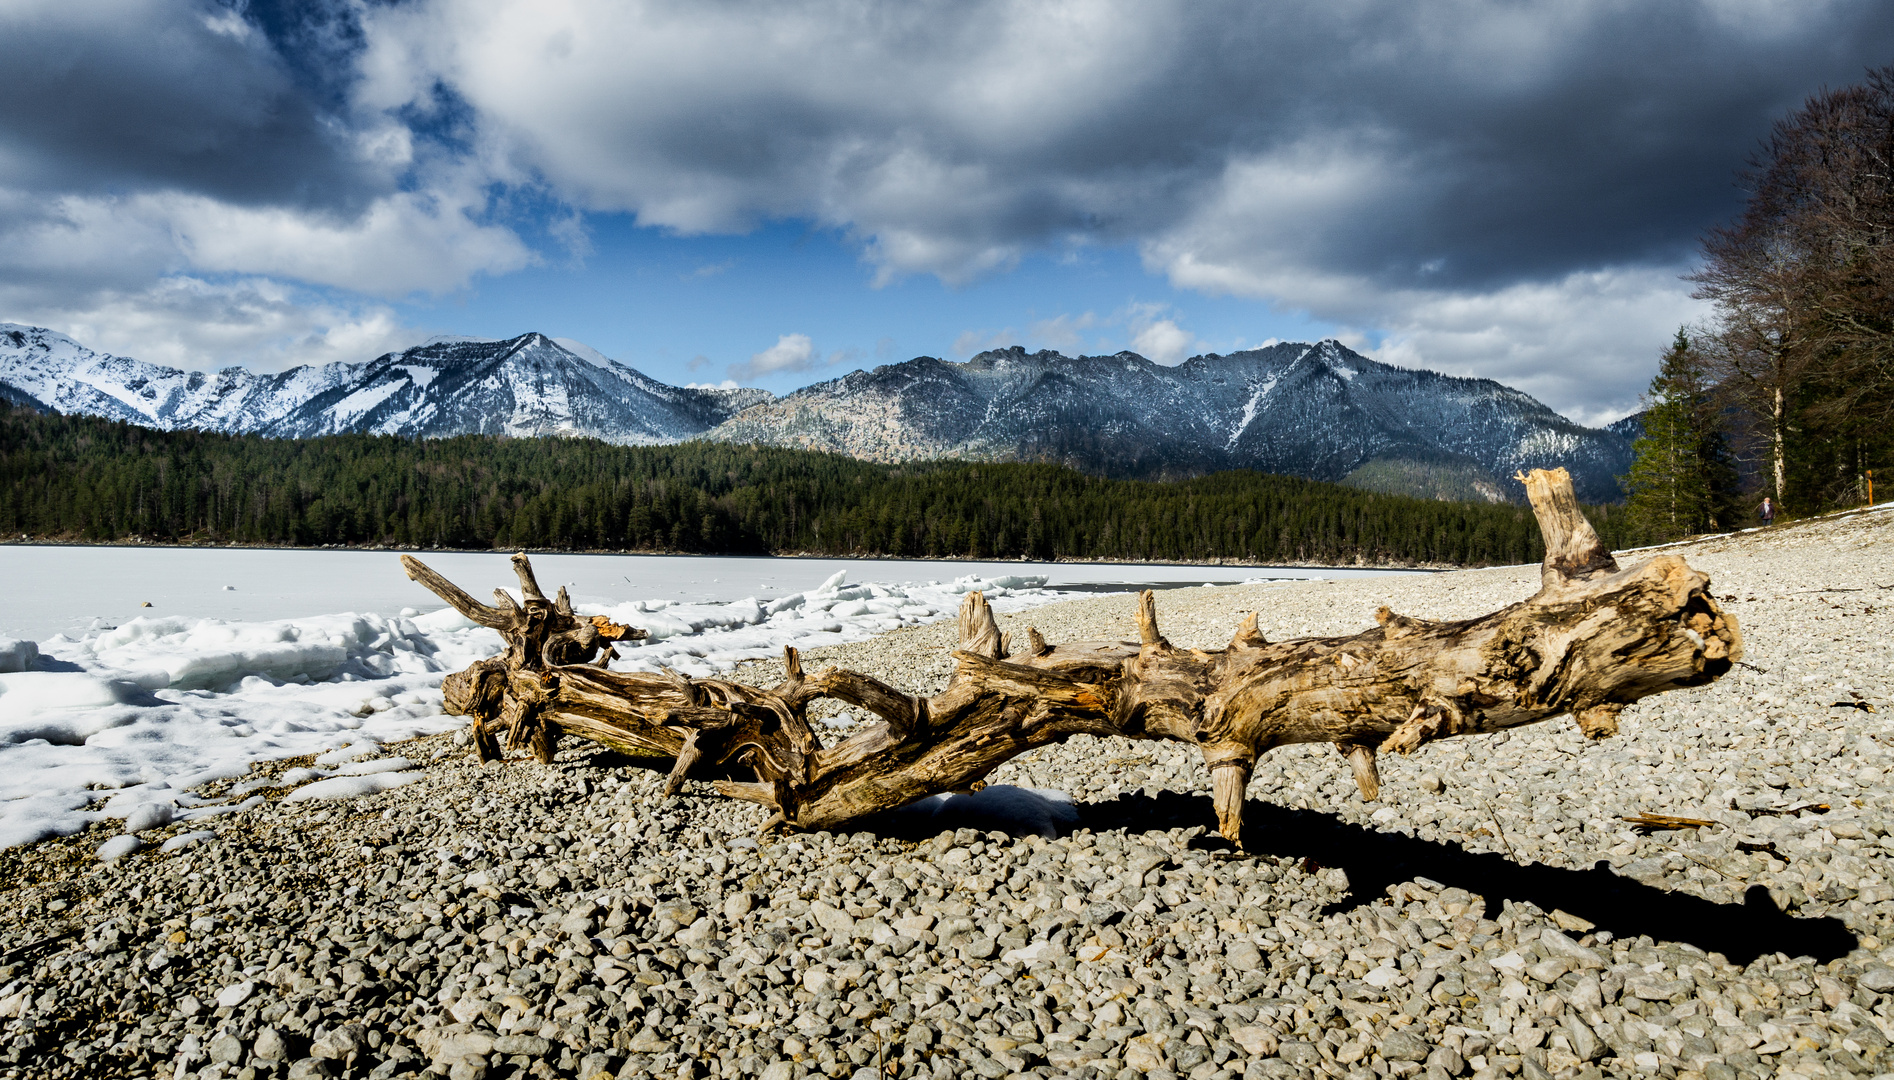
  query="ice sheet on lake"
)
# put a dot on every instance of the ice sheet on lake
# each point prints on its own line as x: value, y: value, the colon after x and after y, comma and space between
x: 122, y: 722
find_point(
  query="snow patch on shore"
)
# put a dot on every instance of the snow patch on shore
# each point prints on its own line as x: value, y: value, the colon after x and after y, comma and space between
x: 123, y: 722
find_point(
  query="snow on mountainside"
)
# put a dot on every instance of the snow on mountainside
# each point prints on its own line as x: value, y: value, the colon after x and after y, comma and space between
x: 525, y: 386
x: 50, y: 370
x: 1320, y: 411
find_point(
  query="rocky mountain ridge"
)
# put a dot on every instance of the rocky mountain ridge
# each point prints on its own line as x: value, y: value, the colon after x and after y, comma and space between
x: 524, y: 386
x: 1321, y: 411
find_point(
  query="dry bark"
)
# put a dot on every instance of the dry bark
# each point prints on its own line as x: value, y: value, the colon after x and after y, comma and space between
x: 1594, y: 639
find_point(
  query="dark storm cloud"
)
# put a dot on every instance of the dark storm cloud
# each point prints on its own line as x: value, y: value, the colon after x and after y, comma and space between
x: 1532, y: 142
x: 1499, y: 188
x: 127, y: 97
x: 1486, y: 141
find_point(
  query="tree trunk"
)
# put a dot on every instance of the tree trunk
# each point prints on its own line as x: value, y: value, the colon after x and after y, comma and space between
x: 1778, y: 444
x: 1594, y: 639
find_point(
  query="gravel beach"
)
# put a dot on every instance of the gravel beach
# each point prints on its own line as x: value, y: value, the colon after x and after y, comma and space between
x: 1493, y: 914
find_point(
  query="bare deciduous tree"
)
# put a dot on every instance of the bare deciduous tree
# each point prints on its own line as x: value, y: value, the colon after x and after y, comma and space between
x: 1803, y: 283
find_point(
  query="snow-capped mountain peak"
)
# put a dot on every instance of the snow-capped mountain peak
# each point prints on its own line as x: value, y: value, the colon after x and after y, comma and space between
x: 523, y: 386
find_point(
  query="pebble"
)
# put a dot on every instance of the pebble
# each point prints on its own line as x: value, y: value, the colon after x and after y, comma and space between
x: 528, y: 921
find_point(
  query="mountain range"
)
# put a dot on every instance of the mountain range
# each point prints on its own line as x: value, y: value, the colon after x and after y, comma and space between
x: 1320, y: 411
x: 527, y: 386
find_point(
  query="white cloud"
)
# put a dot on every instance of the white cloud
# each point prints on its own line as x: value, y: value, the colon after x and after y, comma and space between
x: 792, y: 352
x: 190, y: 323
x: 1164, y: 341
x: 398, y: 245
x: 1065, y: 332
x: 969, y: 342
x: 1585, y: 344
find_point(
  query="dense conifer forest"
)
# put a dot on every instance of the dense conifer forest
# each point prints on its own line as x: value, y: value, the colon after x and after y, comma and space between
x: 86, y: 479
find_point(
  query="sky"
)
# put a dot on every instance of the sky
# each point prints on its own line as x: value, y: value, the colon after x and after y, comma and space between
x: 777, y: 193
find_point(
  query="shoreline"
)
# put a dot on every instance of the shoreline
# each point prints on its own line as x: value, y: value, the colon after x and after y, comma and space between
x: 566, y: 917
x: 808, y: 555
x: 135, y: 542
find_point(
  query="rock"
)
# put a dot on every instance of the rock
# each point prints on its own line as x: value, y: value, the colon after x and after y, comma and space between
x: 1433, y: 783
x: 1402, y: 1046
x: 1560, y: 945
x: 1548, y: 971
x: 697, y: 933
x: 1586, y: 1045
x: 780, y: 1070
x: 235, y: 995
x: 832, y: 919
x: 680, y: 912
x: 1256, y: 1041
x: 225, y: 1049
x: 1038, y: 952
x: 269, y: 1045
x: 1879, y: 978
x: 1447, y: 1060
x: 1572, y: 923
x: 1242, y: 956
x: 1511, y: 963
x: 737, y: 905
x: 648, y: 1041
x: 528, y: 1045
x: 339, y: 1044
x: 1297, y: 1052
x: 1145, y: 1053
x: 311, y: 1068
x: 456, y: 1047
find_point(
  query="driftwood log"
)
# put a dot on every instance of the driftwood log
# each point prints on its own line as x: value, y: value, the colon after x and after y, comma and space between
x: 1592, y: 640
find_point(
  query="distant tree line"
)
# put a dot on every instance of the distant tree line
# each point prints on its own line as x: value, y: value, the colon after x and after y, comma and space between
x: 82, y: 478
x: 1789, y: 390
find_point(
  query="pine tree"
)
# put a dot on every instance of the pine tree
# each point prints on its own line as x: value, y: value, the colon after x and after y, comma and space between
x: 1681, y: 482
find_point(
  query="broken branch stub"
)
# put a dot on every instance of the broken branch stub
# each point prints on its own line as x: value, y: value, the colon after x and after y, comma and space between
x: 1594, y: 639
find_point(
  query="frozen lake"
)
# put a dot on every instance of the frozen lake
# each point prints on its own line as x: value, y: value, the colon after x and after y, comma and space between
x: 54, y: 589
x: 111, y: 710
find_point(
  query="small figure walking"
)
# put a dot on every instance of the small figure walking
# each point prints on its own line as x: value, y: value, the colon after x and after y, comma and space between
x: 1767, y: 510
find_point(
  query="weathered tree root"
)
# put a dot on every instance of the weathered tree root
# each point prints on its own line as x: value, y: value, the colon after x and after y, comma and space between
x: 1592, y: 640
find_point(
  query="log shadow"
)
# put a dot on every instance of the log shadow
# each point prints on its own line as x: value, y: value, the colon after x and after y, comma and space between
x: 1374, y: 860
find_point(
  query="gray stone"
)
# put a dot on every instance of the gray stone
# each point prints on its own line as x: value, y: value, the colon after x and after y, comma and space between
x: 339, y: 1044
x: 311, y: 1068
x: 1401, y: 1046
x: 1297, y: 1052
x: 1447, y: 1060
x: 225, y: 1049
x: 527, y: 1045
x: 1243, y: 956
x: 1586, y: 1045
x: 269, y: 1045
x: 1879, y: 978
